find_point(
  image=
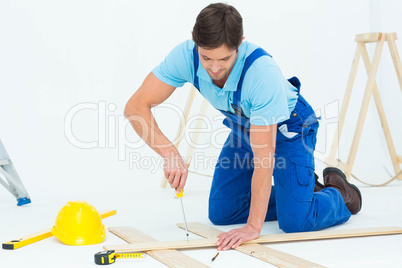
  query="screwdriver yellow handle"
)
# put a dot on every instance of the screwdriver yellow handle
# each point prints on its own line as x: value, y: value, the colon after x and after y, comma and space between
x: 179, y: 195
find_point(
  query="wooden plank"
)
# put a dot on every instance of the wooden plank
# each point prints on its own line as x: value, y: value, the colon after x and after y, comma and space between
x: 374, y: 37
x: 383, y: 118
x: 179, y: 244
x: 275, y: 257
x: 211, y: 242
x: 171, y: 258
x: 368, y: 37
x: 181, y: 128
x: 364, y: 106
x: 345, y: 102
x: 395, y: 57
x: 175, y: 259
x: 131, y: 235
x: 201, y: 229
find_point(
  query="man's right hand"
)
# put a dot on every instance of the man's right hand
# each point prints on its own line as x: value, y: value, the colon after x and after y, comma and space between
x: 175, y: 171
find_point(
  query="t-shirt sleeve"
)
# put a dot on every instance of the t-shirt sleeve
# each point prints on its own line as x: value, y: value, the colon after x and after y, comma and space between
x: 176, y: 68
x: 268, y: 101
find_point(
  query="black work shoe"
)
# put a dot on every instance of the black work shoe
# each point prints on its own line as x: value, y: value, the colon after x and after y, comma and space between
x: 335, y: 178
x: 318, y: 186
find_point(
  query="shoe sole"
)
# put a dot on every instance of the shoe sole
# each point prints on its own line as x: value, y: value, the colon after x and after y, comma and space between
x: 343, y: 176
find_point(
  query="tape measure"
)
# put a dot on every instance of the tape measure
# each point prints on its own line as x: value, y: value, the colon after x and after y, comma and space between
x: 109, y: 257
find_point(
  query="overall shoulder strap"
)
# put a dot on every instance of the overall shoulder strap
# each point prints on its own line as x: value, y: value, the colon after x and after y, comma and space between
x: 196, y: 60
x: 236, y: 104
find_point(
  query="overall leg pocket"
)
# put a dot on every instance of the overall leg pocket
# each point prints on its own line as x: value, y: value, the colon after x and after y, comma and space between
x: 302, y: 180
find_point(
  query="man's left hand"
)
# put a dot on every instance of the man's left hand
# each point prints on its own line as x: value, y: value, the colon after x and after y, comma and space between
x: 235, y: 237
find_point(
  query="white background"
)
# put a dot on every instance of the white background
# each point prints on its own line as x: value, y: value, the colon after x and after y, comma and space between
x: 57, y: 56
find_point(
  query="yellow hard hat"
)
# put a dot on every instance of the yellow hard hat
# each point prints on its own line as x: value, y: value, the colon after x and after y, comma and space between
x: 79, y: 223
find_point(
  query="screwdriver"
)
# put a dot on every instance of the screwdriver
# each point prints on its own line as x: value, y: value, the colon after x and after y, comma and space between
x: 180, y: 196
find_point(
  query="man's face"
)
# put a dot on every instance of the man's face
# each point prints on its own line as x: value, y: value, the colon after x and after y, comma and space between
x: 218, y: 62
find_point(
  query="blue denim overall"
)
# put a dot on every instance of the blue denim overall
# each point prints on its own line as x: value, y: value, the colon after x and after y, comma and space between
x: 293, y: 201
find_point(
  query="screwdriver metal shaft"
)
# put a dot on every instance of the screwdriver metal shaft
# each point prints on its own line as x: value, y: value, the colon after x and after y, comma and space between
x: 180, y: 196
x: 184, y: 217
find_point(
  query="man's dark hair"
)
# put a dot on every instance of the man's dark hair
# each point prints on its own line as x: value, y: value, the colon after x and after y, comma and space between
x: 218, y: 24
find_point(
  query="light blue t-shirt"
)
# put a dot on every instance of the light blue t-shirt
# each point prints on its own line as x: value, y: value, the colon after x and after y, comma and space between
x: 267, y: 97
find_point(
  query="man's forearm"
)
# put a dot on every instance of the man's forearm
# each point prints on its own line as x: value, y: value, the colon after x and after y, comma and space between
x: 262, y: 140
x: 146, y: 127
x: 138, y: 112
x: 260, y: 193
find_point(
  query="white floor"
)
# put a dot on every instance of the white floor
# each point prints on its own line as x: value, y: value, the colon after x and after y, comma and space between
x: 141, y: 203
